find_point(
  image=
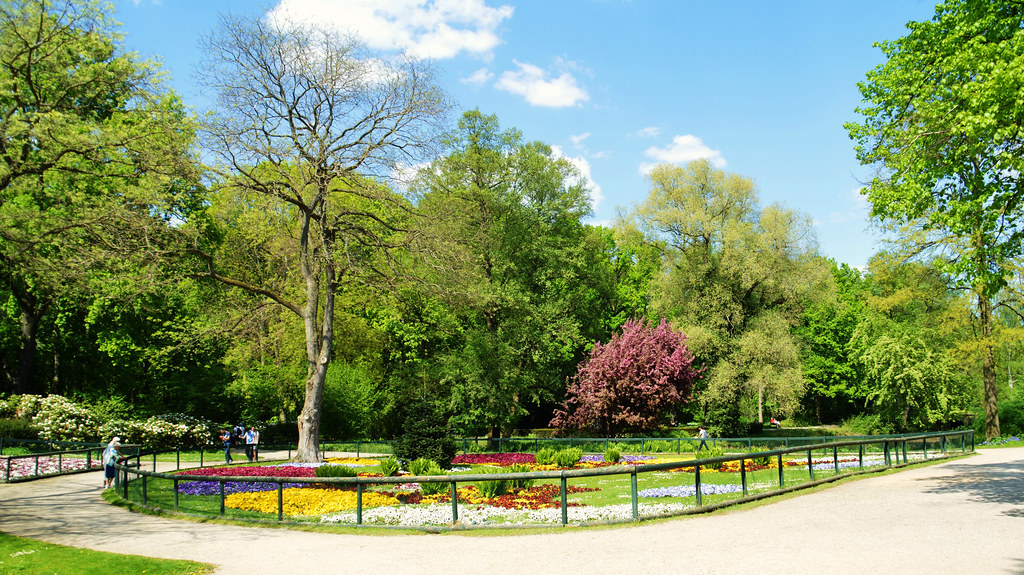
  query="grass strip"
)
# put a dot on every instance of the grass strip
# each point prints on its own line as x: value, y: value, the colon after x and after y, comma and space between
x: 22, y: 555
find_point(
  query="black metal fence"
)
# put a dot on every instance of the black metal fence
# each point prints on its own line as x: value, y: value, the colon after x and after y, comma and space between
x: 895, y: 451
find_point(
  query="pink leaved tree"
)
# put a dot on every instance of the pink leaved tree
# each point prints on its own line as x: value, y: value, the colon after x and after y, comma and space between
x: 631, y: 383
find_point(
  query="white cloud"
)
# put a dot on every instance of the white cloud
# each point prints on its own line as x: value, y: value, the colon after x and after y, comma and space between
x: 437, y: 29
x: 648, y: 132
x: 577, y: 140
x: 683, y: 149
x: 581, y: 164
x: 534, y: 84
x: 856, y: 207
x: 478, y: 78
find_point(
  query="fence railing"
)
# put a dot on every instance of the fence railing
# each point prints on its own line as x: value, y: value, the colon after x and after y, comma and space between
x: 135, y: 483
x: 33, y: 466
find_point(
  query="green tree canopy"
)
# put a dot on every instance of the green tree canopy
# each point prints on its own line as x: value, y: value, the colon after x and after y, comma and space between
x: 942, y: 123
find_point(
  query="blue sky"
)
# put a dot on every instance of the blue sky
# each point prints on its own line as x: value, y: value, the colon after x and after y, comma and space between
x: 761, y: 89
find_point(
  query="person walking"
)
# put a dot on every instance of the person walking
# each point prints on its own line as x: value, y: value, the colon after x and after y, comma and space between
x: 110, y: 457
x: 252, y: 437
x: 225, y: 436
x: 703, y: 435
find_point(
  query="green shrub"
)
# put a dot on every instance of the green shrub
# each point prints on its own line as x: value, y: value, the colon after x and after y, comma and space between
x: 612, y: 455
x: 568, y: 457
x: 335, y: 471
x: 546, y: 456
x: 492, y: 489
x: 18, y: 429
x: 661, y: 447
x: 389, y: 467
x: 425, y: 435
x: 422, y: 467
x: 866, y: 424
x: 519, y: 483
x: 761, y: 459
x: 709, y: 451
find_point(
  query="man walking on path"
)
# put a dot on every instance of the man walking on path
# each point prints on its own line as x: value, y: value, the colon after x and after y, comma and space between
x: 703, y: 435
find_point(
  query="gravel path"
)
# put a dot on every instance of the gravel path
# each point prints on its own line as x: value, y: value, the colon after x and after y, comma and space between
x: 963, y: 516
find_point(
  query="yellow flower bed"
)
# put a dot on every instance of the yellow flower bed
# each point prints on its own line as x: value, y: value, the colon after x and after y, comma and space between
x: 302, y: 501
x: 350, y: 461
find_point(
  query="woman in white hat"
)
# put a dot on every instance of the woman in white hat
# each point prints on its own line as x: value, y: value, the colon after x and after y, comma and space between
x: 110, y: 457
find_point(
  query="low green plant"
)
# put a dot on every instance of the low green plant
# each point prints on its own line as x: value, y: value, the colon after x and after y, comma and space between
x: 422, y: 467
x: 495, y: 488
x: 661, y: 447
x: 568, y: 457
x: 18, y: 429
x: 612, y: 455
x: 519, y: 483
x: 545, y: 456
x: 762, y: 459
x: 335, y: 471
x: 389, y: 467
x: 709, y: 451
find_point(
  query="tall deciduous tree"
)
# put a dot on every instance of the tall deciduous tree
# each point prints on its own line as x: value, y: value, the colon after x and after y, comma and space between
x: 729, y: 264
x: 308, y: 126
x: 518, y: 268
x: 942, y: 121
x: 631, y: 383
x: 93, y: 151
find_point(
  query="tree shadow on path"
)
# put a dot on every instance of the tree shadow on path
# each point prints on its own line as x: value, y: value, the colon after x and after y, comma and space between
x: 1001, y: 483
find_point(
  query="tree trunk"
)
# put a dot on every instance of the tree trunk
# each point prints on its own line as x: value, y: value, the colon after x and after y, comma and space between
x: 31, y: 315
x: 320, y: 277
x: 988, y: 369
x: 760, y: 403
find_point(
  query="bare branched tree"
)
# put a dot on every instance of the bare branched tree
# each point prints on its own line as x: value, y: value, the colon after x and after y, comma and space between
x: 310, y: 127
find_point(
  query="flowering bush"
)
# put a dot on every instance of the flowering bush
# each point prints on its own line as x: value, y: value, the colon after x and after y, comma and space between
x: 159, y: 432
x: 59, y: 419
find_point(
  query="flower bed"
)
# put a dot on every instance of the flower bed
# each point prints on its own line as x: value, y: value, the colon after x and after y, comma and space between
x: 307, y: 502
x: 22, y: 467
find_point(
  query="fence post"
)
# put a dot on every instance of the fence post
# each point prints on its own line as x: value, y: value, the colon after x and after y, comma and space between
x: 177, y: 459
x: 904, y: 451
x: 696, y: 483
x: 781, y: 480
x: 633, y: 494
x: 810, y: 464
x: 36, y: 473
x: 280, y: 499
x: 860, y: 454
x: 60, y: 462
x: 743, y: 475
x: 359, y: 503
x: 200, y: 457
x: 221, y: 498
x: 145, y: 494
x: 455, y: 501
x: 835, y: 457
x: 154, y: 461
x: 565, y: 506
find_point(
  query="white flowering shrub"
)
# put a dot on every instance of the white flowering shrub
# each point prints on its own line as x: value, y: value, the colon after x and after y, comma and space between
x: 20, y: 406
x: 60, y: 419
x: 168, y: 431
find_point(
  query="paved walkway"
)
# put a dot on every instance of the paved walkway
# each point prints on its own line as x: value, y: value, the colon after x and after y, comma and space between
x: 963, y: 516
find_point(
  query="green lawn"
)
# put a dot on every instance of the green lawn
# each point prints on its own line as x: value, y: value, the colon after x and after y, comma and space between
x: 29, y: 556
